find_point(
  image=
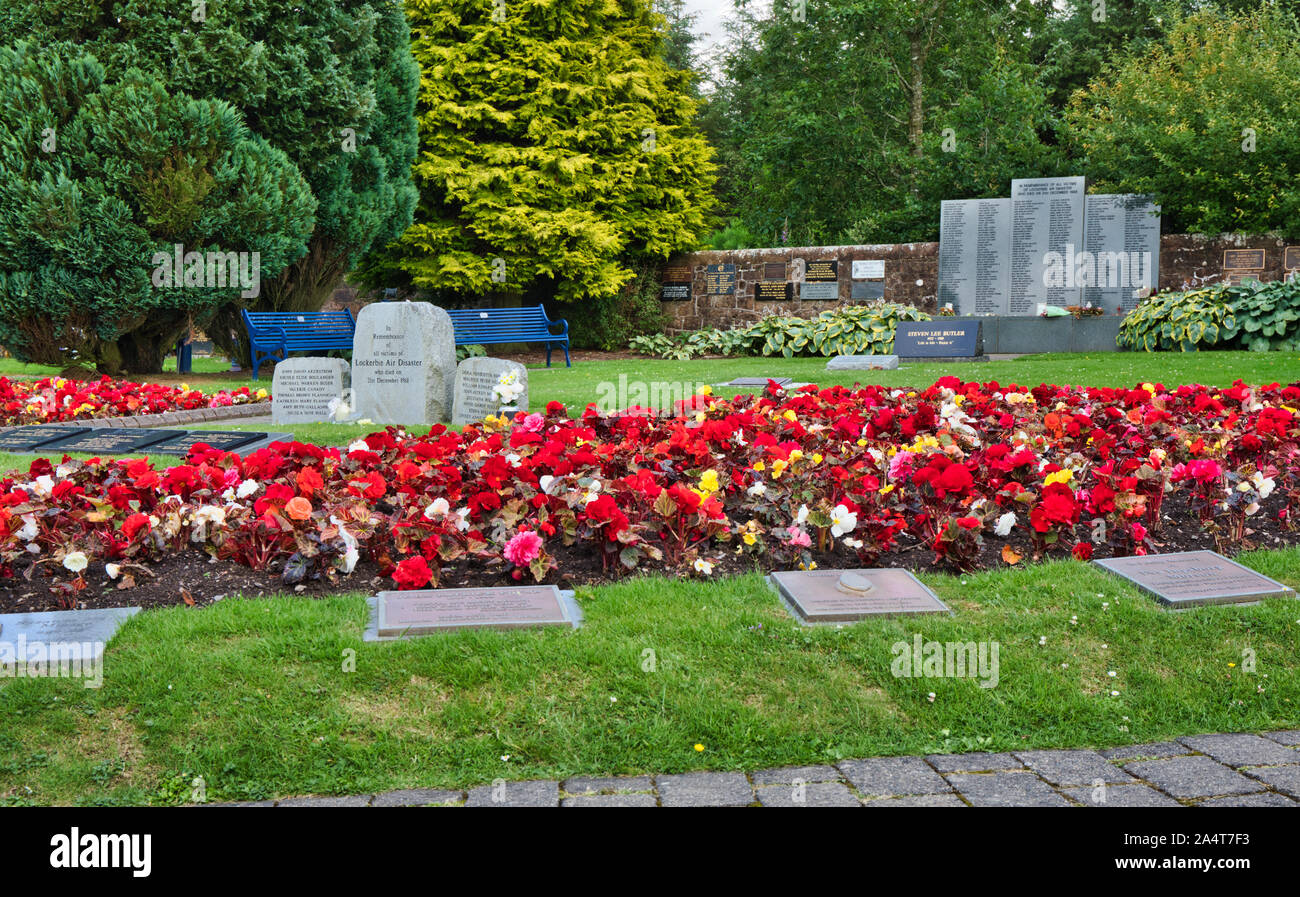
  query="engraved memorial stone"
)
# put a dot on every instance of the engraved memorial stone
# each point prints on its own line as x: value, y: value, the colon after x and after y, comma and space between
x: 774, y: 270
x: 676, y: 284
x: 868, y: 269
x: 720, y: 280
x: 1291, y: 259
x: 223, y: 440
x: 1046, y: 233
x: 773, y: 291
x: 476, y: 382
x: 79, y: 635
x: 939, y: 339
x: 403, y: 363
x: 109, y: 441
x: 1195, y: 578
x: 26, y: 439
x: 303, y: 388
x: 975, y: 256
x: 867, y: 289
x: 822, y: 271
x: 1239, y: 260
x: 758, y: 381
x: 1122, y: 250
x: 422, y: 612
x: 863, y: 363
x: 819, y: 597
x: 819, y: 291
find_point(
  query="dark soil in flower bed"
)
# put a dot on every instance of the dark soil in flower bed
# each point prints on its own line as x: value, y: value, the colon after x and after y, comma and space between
x: 192, y: 577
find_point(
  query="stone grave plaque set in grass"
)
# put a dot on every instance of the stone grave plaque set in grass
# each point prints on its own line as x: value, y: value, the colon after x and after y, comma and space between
x: 834, y: 597
x: 939, y: 341
x: 27, y: 439
x: 397, y: 615
x: 303, y: 389
x: 1195, y: 578
x: 474, y: 393
x: 78, y: 635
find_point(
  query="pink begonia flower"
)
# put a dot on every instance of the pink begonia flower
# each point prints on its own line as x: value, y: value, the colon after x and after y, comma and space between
x: 798, y: 537
x: 523, y: 548
x: 532, y: 423
x: 1204, y: 470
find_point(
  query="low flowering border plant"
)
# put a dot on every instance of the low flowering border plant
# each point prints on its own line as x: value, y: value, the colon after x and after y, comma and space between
x: 55, y: 399
x: 977, y: 473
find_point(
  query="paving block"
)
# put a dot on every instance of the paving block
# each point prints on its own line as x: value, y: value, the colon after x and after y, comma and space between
x: 1005, y: 789
x: 893, y: 776
x: 1074, y: 767
x: 1242, y: 749
x: 1192, y: 777
x: 705, y: 789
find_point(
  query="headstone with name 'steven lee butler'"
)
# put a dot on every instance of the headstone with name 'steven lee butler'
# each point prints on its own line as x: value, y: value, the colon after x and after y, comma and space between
x: 475, y: 395
x: 303, y: 388
x: 403, y: 363
x: 1195, y: 578
x: 939, y: 340
x: 396, y: 615
x: 819, y: 597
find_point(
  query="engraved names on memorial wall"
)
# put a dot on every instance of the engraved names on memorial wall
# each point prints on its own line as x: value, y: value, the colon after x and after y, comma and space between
x: 1121, y: 250
x: 1046, y: 217
x: 974, y: 239
x: 1049, y: 244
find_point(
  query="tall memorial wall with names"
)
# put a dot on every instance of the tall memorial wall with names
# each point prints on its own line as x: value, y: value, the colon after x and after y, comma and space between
x: 1008, y: 256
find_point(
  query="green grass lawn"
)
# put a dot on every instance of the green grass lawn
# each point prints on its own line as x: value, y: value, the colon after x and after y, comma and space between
x: 256, y: 697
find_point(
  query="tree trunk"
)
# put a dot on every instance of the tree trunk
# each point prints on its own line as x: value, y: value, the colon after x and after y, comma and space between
x: 143, y: 349
x: 920, y: 50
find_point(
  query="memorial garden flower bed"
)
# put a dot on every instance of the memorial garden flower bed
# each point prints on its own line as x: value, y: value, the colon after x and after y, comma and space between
x: 958, y: 476
x: 55, y: 399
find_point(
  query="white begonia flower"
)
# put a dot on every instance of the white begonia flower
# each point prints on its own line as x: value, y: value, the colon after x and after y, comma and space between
x: 802, y: 515
x: 463, y: 523
x: 438, y: 507
x: 1005, y: 524
x: 703, y: 566
x: 43, y: 486
x: 247, y: 488
x: 75, y: 561
x: 113, y: 570
x: 352, y: 554
x: 63, y: 471
x: 756, y: 491
x: 842, y: 521
x: 30, y: 530
x: 547, y: 483
x: 359, y: 446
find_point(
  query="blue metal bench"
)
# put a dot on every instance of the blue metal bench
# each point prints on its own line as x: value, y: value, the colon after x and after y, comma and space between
x: 273, y: 334
x: 484, y: 326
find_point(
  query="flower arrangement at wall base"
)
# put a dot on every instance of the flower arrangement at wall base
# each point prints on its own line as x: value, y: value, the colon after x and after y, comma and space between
x: 957, y: 475
x: 55, y: 399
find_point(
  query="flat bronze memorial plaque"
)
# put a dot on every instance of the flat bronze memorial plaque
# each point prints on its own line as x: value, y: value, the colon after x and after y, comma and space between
x: 820, y: 597
x: 1195, y: 578
x: 426, y: 611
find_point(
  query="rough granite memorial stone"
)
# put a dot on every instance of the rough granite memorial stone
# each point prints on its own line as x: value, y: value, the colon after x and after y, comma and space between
x: 476, y: 379
x: 818, y: 597
x: 403, y: 363
x: 1195, y: 578
x: 303, y: 388
x: 396, y: 615
x: 863, y: 363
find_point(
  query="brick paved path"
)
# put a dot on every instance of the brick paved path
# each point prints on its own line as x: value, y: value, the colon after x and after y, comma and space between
x: 1202, y: 770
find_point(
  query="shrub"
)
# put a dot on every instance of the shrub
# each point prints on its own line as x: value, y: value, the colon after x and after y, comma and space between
x: 609, y: 322
x: 856, y: 329
x: 1255, y: 316
x: 95, y: 178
